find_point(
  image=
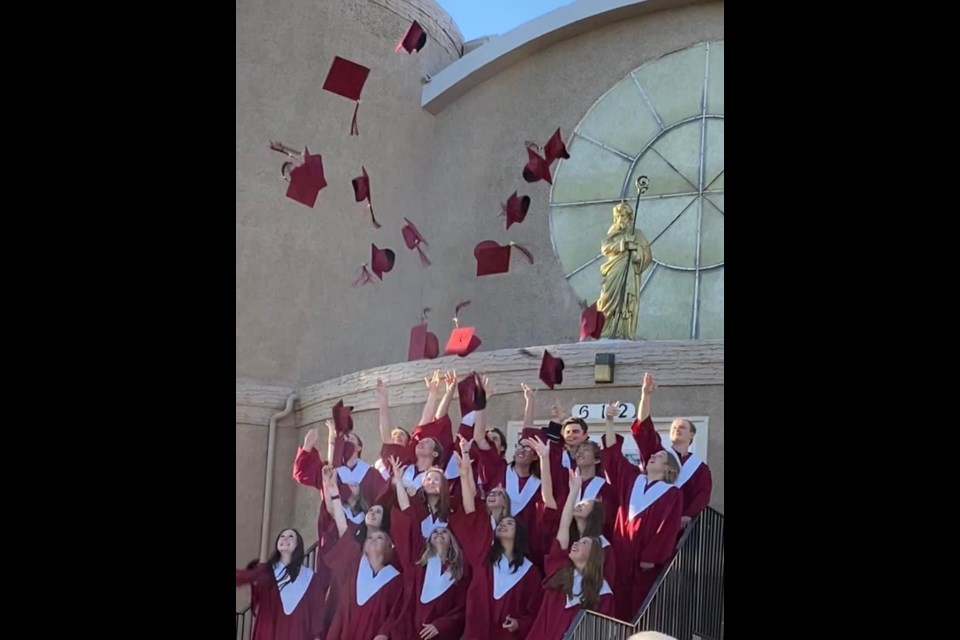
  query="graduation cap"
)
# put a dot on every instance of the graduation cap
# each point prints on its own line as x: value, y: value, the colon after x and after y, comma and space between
x: 381, y: 260
x: 466, y: 393
x: 554, y: 431
x: 537, y: 168
x: 414, y: 39
x: 342, y: 450
x: 346, y: 78
x: 555, y: 148
x: 305, y: 175
x: 591, y: 322
x: 492, y: 258
x: 413, y: 240
x: 532, y: 432
x: 463, y: 340
x: 423, y: 344
x: 551, y: 370
x: 515, y: 210
x: 361, y: 191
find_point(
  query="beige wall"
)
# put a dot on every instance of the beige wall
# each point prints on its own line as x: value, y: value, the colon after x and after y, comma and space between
x: 299, y: 321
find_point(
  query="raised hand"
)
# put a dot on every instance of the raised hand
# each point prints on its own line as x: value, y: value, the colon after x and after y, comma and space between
x: 528, y: 393
x: 433, y: 382
x: 310, y: 441
x: 381, y: 392
x: 450, y: 379
x: 649, y: 386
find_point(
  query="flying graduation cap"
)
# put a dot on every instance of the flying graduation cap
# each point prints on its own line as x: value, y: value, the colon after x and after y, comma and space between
x: 346, y: 78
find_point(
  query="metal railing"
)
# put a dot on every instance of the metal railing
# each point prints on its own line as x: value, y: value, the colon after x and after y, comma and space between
x: 245, y: 616
x: 686, y: 601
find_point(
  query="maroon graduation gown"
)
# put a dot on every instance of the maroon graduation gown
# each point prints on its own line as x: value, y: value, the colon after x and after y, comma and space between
x: 647, y: 526
x: 494, y: 592
x: 526, y: 502
x: 554, y: 617
x: 381, y: 611
x: 445, y: 606
x: 295, y: 613
x: 695, y: 480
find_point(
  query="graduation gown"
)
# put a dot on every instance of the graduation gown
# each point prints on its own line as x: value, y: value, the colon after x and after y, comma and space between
x: 441, y: 430
x: 292, y: 613
x: 556, y: 610
x: 526, y: 501
x: 551, y: 524
x: 695, y: 480
x: 430, y: 593
x: 367, y: 605
x: 646, y: 530
x: 495, y: 592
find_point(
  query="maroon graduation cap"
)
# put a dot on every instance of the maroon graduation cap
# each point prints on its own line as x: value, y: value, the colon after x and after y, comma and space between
x: 346, y: 78
x: 343, y: 424
x: 551, y: 370
x: 493, y: 258
x: 361, y: 192
x: 423, y: 344
x: 515, y: 210
x: 413, y: 240
x: 537, y: 168
x: 414, y: 39
x: 381, y: 260
x: 555, y: 148
x: 591, y: 322
x: 305, y: 174
x: 463, y: 340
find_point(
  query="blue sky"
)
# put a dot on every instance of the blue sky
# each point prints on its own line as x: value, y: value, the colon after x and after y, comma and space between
x: 478, y: 18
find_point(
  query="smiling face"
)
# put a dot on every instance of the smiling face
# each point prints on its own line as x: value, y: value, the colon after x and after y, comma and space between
x: 374, y: 516
x: 580, y: 550
x: 507, y: 529
x: 496, y: 499
x: 378, y: 546
x: 583, y: 509
x: 400, y: 437
x: 524, y: 454
x: 427, y: 448
x: 287, y: 541
x: 588, y: 454
x: 657, y: 463
x: 432, y: 481
x: 440, y: 540
x: 574, y: 432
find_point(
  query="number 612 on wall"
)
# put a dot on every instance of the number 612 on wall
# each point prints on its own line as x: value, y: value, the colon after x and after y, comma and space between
x: 599, y: 411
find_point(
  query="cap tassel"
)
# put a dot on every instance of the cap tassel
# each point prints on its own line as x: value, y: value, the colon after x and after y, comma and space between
x: 424, y: 260
x: 354, y: 130
x: 524, y: 251
x: 456, y: 312
x: 373, y: 218
x: 363, y: 278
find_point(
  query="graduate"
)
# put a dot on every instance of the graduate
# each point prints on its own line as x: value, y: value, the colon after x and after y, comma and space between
x: 505, y: 591
x: 695, y: 480
x: 648, y: 518
x: 286, y: 595
x: 436, y: 576
x: 369, y: 589
x: 574, y: 577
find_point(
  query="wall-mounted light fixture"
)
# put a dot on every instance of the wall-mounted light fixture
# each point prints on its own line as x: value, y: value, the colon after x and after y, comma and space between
x: 603, y: 368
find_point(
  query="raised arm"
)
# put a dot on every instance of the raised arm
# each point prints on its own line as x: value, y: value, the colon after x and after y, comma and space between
x: 430, y: 406
x: 610, y: 433
x: 331, y: 497
x: 331, y: 440
x: 566, y: 518
x: 643, y: 409
x: 546, y: 483
x: 528, y: 407
x: 384, y: 409
x: 468, y: 485
x: 643, y: 432
x: 307, y: 464
x: 403, y: 500
x: 450, y: 379
x: 480, y: 425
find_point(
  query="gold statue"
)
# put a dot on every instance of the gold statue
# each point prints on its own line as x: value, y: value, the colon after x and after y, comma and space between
x: 628, y: 254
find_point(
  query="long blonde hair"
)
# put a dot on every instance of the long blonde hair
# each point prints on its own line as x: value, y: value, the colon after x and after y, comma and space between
x: 453, y: 558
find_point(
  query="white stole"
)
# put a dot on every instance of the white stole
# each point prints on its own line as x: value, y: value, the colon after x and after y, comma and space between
x: 687, y: 469
x: 519, y: 499
x: 293, y: 592
x: 592, y: 489
x: 355, y: 518
x: 368, y: 584
x: 435, y: 584
x: 429, y: 524
x: 470, y: 419
x: 578, y: 589
x: 504, y: 579
x: 355, y: 475
x: 640, y: 500
x: 566, y: 461
x: 414, y: 479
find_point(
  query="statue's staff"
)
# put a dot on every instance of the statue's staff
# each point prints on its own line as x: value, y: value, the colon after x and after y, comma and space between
x: 643, y: 183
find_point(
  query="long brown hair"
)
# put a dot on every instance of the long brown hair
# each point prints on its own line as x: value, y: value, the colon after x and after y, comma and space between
x: 592, y: 577
x: 453, y: 560
x: 594, y: 526
x: 443, y: 507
